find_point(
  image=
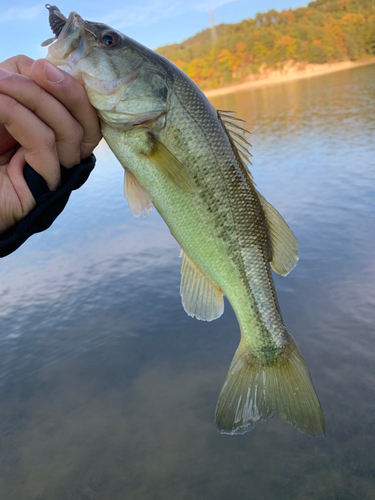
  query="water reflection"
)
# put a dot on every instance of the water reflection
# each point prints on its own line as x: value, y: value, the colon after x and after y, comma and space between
x: 108, y: 388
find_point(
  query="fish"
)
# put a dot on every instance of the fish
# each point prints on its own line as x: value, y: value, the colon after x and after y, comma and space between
x: 190, y: 162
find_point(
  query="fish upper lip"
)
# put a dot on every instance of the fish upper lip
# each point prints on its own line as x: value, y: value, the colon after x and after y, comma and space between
x: 73, y: 23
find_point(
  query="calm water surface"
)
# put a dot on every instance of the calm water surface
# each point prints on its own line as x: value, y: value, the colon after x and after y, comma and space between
x: 108, y: 388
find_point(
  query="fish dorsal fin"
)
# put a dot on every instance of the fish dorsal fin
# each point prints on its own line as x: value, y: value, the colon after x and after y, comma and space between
x: 138, y: 198
x: 237, y: 133
x: 285, y: 252
x: 167, y: 163
x: 200, y: 297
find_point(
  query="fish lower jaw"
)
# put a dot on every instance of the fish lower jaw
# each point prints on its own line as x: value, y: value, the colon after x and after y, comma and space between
x: 63, y: 65
x: 115, y: 121
x: 66, y: 66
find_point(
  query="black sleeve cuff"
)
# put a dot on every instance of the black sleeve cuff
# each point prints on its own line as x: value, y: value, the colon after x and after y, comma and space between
x: 49, y: 204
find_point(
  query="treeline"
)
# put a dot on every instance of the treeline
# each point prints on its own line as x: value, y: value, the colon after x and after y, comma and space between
x: 324, y: 31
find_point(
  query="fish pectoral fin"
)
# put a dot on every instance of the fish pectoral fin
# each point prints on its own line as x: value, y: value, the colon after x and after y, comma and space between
x: 254, y: 391
x: 167, y: 163
x: 139, y: 199
x: 285, y: 251
x: 200, y: 297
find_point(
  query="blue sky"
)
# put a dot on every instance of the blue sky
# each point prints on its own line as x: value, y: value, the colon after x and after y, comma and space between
x: 24, y: 24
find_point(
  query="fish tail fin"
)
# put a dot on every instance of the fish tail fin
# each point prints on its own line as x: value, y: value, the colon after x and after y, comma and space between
x: 254, y: 391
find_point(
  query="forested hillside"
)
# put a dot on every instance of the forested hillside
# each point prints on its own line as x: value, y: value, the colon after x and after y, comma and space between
x: 324, y: 31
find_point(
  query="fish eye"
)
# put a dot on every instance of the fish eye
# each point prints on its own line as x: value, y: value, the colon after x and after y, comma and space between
x: 109, y: 39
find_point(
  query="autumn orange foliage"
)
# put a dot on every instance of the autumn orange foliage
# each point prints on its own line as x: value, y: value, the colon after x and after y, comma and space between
x: 324, y: 31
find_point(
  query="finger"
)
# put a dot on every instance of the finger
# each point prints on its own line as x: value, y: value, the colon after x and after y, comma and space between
x: 7, y: 143
x: 18, y: 64
x: 35, y: 136
x: 73, y: 96
x: 15, y: 174
x: 68, y: 132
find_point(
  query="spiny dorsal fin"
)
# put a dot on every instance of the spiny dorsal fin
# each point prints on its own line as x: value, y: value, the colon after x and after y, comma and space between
x: 285, y: 252
x: 138, y: 198
x: 167, y: 163
x: 230, y: 115
x: 200, y: 297
x: 237, y: 134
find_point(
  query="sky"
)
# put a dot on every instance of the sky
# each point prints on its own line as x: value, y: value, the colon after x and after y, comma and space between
x: 24, y: 24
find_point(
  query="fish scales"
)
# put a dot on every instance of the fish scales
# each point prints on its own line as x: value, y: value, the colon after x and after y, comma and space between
x: 234, y: 204
x: 183, y: 156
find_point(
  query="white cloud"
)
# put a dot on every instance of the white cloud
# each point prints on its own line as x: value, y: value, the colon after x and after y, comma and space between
x: 159, y: 9
x: 21, y: 13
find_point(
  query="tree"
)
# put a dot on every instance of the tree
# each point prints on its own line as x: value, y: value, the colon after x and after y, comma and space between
x: 325, y: 30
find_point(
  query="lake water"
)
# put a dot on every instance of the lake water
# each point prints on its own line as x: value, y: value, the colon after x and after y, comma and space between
x: 107, y: 387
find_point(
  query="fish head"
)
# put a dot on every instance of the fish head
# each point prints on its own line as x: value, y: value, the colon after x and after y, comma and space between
x: 122, y: 78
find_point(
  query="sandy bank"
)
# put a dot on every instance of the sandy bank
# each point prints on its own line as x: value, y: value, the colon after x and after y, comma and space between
x: 287, y: 74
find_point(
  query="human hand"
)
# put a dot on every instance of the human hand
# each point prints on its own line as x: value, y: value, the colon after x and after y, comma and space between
x: 46, y: 120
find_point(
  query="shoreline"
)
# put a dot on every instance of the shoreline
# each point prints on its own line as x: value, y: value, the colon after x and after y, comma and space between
x: 288, y: 74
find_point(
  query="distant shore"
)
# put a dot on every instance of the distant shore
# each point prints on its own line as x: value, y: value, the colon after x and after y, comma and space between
x: 287, y: 74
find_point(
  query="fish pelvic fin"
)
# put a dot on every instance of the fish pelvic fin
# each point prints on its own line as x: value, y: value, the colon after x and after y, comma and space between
x: 140, y: 201
x: 253, y: 392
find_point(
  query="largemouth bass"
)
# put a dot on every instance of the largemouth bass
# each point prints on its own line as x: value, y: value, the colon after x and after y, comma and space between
x: 189, y: 160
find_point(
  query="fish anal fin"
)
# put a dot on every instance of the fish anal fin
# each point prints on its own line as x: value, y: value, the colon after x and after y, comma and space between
x: 285, y: 251
x: 139, y: 199
x: 167, y: 163
x: 254, y: 392
x: 200, y: 298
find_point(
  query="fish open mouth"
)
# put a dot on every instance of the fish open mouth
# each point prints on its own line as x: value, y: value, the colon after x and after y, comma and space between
x: 64, y: 28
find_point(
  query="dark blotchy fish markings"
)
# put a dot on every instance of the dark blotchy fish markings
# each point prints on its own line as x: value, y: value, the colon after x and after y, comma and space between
x: 189, y: 160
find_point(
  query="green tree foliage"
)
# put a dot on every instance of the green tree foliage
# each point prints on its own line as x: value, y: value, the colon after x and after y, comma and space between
x: 324, y: 31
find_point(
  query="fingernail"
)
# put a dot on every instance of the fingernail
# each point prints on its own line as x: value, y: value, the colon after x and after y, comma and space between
x: 4, y: 73
x: 53, y: 74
